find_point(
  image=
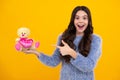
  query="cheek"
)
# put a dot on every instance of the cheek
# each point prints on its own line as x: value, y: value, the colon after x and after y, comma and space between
x: 20, y: 35
x: 75, y: 21
x: 25, y: 35
x: 86, y: 21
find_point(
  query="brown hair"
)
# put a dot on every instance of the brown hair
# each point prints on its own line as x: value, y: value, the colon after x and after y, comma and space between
x: 70, y: 33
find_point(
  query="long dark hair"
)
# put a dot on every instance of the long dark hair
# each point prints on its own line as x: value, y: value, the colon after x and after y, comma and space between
x: 70, y: 33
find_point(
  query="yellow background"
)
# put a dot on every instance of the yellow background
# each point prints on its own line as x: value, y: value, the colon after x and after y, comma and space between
x: 46, y: 20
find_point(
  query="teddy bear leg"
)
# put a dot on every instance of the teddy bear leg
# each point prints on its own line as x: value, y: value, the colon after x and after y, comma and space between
x: 37, y: 44
x: 18, y: 47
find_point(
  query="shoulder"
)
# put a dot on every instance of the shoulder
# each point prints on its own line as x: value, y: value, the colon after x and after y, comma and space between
x: 59, y: 36
x: 96, y: 38
x: 59, y: 39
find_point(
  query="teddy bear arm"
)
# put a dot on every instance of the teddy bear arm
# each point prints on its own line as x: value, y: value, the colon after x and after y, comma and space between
x: 17, y: 39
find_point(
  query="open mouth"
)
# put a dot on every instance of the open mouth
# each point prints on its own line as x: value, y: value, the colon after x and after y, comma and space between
x: 80, y: 26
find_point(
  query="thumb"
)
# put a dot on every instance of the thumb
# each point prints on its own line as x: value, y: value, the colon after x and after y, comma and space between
x: 64, y: 43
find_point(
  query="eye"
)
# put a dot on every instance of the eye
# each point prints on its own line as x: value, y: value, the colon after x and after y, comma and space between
x: 85, y: 17
x: 77, y: 18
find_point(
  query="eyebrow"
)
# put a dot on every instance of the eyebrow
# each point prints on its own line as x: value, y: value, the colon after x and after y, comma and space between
x: 83, y: 15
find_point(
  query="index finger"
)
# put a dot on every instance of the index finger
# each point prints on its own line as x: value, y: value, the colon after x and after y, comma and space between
x: 59, y: 47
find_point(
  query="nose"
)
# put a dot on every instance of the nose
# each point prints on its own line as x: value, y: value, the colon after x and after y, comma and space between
x: 22, y: 34
x: 80, y: 20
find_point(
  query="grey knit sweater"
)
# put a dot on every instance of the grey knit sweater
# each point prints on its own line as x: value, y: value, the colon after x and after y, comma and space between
x: 81, y: 68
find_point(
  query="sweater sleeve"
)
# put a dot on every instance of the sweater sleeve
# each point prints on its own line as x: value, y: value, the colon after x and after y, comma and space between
x: 87, y: 64
x: 53, y: 60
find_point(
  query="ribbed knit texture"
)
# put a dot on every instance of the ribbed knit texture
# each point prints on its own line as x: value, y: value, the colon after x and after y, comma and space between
x: 81, y: 68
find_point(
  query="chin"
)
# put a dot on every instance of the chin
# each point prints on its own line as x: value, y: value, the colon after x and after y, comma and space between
x: 81, y: 31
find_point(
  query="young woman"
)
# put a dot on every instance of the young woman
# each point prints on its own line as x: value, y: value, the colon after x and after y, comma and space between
x: 78, y: 48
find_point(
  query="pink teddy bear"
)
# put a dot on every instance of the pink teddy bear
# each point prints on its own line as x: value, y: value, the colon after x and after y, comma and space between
x: 23, y: 42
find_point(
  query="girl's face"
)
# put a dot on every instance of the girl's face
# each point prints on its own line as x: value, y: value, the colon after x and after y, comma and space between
x: 81, y: 22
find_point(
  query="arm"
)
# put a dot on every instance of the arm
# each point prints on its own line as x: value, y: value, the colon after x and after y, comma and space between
x: 53, y: 60
x: 87, y: 64
x: 17, y: 39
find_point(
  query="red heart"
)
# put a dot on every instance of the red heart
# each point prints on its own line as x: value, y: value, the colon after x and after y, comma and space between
x: 26, y: 43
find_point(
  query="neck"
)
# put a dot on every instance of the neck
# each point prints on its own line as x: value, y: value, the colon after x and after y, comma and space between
x: 79, y: 34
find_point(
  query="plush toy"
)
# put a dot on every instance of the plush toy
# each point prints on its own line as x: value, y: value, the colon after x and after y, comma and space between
x: 23, y: 42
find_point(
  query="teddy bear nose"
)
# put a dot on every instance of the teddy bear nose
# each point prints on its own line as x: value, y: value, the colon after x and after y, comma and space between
x: 22, y: 34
